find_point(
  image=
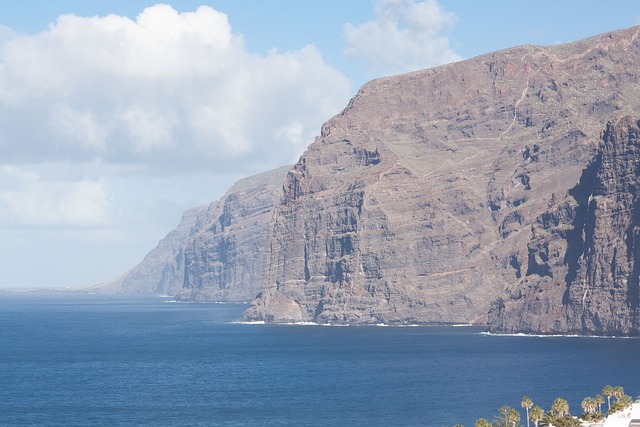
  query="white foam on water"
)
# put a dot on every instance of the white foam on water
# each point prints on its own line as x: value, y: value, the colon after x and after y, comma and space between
x: 521, y: 334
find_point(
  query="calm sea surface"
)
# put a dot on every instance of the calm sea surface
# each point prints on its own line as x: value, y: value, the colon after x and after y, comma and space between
x: 96, y: 360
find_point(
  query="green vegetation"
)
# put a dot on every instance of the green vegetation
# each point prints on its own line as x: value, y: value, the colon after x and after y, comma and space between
x: 507, y: 417
x: 618, y: 392
x: 608, y: 391
x: 599, y: 401
x: 591, y: 407
x: 559, y: 415
x: 526, y: 403
x: 559, y: 421
x: 621, y: 404
x: 560, y: 407
x: 537, y: 413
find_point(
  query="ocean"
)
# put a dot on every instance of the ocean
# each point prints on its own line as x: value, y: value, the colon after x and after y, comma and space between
x: 82, y: 360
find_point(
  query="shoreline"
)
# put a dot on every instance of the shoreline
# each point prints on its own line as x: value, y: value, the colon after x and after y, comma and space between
x: 525, y: 335
x: 170, y: 299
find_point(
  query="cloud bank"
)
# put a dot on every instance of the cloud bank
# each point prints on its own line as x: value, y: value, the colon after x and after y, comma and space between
x: 173, y: 93
x: 405, y: 35
x: 110, y: 127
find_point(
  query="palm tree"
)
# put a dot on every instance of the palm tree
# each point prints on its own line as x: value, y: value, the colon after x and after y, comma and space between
x: 536, y: 415
x: 608, y: 391
x: 549, y: 419
x: 560, y: 407
x: 513, y: 417
x: 504, y: 412
x: 599, y: 402
x: 589, y: 405
x: 618, y: 392
x: 626, y: 401
x: 526, y: 403
x: 481, y: 422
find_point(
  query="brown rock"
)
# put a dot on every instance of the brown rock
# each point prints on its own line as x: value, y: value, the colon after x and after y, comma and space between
x: 595, y: 289
x: 436, y: 192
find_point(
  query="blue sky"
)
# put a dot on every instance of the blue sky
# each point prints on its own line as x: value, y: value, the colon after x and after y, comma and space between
x: 116, y: 116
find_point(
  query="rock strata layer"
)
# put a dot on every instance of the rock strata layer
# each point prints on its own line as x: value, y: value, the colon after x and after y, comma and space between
x: 439, y: 195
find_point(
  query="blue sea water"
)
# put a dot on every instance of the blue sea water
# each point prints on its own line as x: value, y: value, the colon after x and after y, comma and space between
x: 122, y: 361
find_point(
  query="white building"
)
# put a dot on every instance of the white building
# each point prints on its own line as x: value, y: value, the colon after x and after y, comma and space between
x: 627, y: 418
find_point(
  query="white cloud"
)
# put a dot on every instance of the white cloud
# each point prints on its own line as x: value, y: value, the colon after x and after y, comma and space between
x: 170, y: 90
x: 77, y: 127
x: 110, y: 127
x: 6, y: 33
x: 28, y: 199
x: 149, y: 129
x: 406, y: 35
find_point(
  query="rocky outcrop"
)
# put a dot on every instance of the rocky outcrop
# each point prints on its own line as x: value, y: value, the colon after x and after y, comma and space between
x: 216, y: 252
x: 595, y: 284
x: 437, y: 195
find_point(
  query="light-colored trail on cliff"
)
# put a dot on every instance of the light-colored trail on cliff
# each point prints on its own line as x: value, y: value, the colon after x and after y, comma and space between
x: 515, y: 111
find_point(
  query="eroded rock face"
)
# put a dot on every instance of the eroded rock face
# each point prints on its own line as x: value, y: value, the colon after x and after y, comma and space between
x: 595, y: 286
x: 216, y: 252
x: 437, y: 193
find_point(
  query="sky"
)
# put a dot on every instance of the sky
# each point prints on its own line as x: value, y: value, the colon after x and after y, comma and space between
x: 116, y: 116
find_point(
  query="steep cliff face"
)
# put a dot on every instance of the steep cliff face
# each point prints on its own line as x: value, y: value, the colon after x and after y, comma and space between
x: 437, y: 192
x: 223, y: 258
x: 597, y: 291
x: 216, y: 252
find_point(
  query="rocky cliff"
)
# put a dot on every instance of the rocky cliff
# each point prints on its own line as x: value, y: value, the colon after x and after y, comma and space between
x: 223, y: 259
x: 216, y: 252
x: 593, y: 288
x: 437, y: 195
